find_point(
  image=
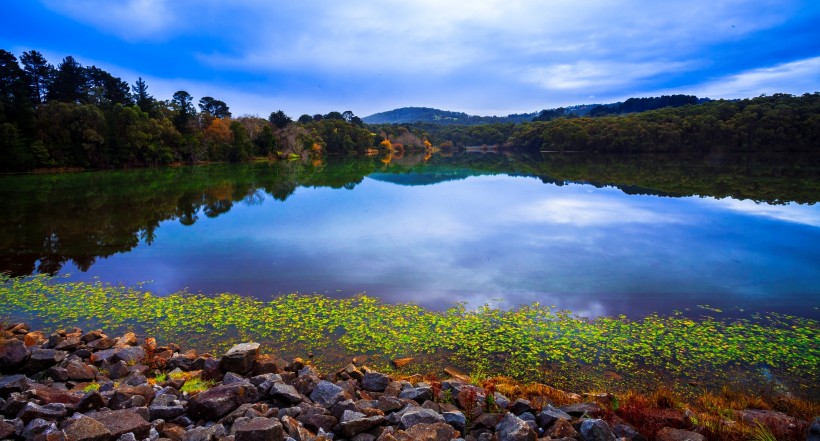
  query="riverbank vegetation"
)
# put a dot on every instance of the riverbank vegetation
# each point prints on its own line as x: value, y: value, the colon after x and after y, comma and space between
x: 530, y: 342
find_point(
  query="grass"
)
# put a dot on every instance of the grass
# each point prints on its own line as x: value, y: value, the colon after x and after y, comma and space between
x: 91, y: 387
x: 196, y: 385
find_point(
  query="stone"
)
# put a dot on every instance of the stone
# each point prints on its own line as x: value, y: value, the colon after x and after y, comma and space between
x: 92, y: 335
x: 419, y: 415
x: 181, y: 362
x: 87, y: 429
x: 520, y: 406
x: 50, y: 412
x: 512, y: 428
x: 670, y: 434
x: 101, y: 344
x: 13, y: 353
x: 389, y: 404
x: 6, y: 429
x: 417, y: 394
x: 42, y: 359
x: 375, y: 381
x: 207, y: 433
x: 501, y: 401
x: 13, y: 383
x: 285, y: 392
x: 91, y: 400
x: 165, y: 412
x: 596, y: 430
x: 128, y: 354
x: 260, y: 429
x: 34, y: 338
x: 353, y: 423
x: 431, y: 432
x: 814, y: 430
x: 240, y: 358
x: 127, y: 339
x: 217, y: 402
x: 79, y: 371
x: 69, y: 344
x: 548, y: 416
x: 624, y: 430
x: 578, y: 410
x: 36, y: 427
x: 455, y: 419
x: 401, y: 362
x: 327, y: 394
x: 487, y: 420
x: 561, y: 428
x: 119, y: 422
x: 316, y: 418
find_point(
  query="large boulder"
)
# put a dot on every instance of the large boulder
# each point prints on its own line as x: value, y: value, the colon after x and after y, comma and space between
x: 375, y: 382
x: 596, y: 430
x: 42, y: 359
x: 354, y: 423
x: 13, y: 353
x: 285, y: 392
x: 87, y: 429
x: 327, y: 394
x: 240, y: 358
x: 49, y: 412
x: 259, y: 429
x: 13, y: 383
x: 512, y: 428
x: 219, y: 401
x: 670, y: 434
x: 419, y: 415
x: 549, y: 415
x: 120, y: 422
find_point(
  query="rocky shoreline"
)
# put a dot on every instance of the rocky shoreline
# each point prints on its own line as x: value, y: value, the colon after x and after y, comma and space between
x: 86, y: 386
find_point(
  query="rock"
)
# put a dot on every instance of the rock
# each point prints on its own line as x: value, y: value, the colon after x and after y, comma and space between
x: 520, y: 406
x: 432, y: 432
x: 814, y: 430
x: 181, y: 362
x: 456, y: 419
x: 79, y: 371
x: 13, y: 353
x: 165, y: 412
x: 42, y: 359
x: 501, y: 401
x: 128, y: 339
x: 580, y: 409
x: 316, y: 418
x: 217, y: 402
x: 327, y: 394
x: 285, y: 392
x: 418, y: 394
x: 92, y: 335
x: 101, y: 344
x: 419, y: 415
x: 34, y: 338
x: 260, y: 429
x: 13, y: 383
x: 6, y: 429
x: 128, y: 354
x: 353, y: 423
x: 240, y: 358
x: 375, y: 381
x: 624, y: 430
x: 561, y: 428
x: 36, y: 427
x: 487, y: 420
x: 670, y: 434
x: 207, y: 433
x: 779, y: 419
x: 401, y: 362
x: 596, y: 430
x: 50, y: 412
x: 119, y: 422
x: 512, y: 428
x: 549, y: 415
x: 69, y: 344
x: 87, y: 429
x: 389, y: 404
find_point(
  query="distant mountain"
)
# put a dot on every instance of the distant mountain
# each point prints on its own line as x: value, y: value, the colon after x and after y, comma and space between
x: 407, y: 115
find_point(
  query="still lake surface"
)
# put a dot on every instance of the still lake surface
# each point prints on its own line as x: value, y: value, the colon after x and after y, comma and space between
x: 475, y: 228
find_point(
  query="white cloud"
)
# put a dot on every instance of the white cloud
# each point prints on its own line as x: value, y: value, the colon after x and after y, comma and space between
x: 796, y: 77
x: 589, y: 211
x: 801, y: 214
x: 130, y: 19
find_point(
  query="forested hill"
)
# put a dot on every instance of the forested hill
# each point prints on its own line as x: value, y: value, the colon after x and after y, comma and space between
x: 445, y: 117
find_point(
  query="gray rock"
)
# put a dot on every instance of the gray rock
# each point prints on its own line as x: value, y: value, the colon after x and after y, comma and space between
x: 217, y: 402
x: 624, y: 430
x: 375, y: 382
x: 165, y: 412
x: 670, y: 434
x: 179, y: 361
x: 260, y: 429
x: 208, y: 433
x: 419, y: 415
x: 814, y: 430
x: 91, y: 400
x: 13, y: 353
x: 6, y: 429
x: 285, y: 392
x: 596, y: 430
x: 79, y: 371
x: 87, y: 429
x: 240, y: 358
x: 50, y: 412
x: 512, y: 428
x: 128, y: 354
x: 316, y: 418
x: 327, y: 394
x: 501, y: 401
x: 354, y: 423
x: 13, y: 383
x: 456, y: 419
x: 127, y: 437
x: 36, y: 427
x: 520, y: 406
x: 42, y: 359
x: 431, y: 432
x: 389, y: 404
x: 580, y: 409
x: 548, y: 416
x: 418, y: 394
x: 119, y: 422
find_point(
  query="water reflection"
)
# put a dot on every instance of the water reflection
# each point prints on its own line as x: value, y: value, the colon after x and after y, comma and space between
x: 434, y: 234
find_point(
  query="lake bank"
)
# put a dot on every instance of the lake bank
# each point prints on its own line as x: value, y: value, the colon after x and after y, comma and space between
x: 84, y: 385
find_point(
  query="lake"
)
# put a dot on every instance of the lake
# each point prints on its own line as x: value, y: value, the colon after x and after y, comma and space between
x: 594, y: 235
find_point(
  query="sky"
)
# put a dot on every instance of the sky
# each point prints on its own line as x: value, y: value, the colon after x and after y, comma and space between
x: 484, y: 57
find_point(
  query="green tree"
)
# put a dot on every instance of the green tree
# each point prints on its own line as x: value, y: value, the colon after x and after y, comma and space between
x: 182, y: 104
x: 69, y: 82
x: 279, y: 119
x: 39, y: 73
x: 241, y: 146
x: 141, y: 96
x: 305, y: 119
x: 214, y: 107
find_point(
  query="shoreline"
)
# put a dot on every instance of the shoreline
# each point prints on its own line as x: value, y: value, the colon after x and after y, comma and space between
x: 75, y: 385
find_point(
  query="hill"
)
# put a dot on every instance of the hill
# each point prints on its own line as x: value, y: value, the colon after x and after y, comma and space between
x: 437, y: 116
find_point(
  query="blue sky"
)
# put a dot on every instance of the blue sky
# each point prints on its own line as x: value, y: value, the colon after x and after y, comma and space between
x: 480, y: 56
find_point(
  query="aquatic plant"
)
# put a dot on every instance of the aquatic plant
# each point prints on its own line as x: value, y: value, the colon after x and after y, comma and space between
x: 520, y: 342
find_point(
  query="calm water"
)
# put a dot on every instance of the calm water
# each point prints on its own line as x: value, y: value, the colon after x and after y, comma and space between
x: 473, y: 228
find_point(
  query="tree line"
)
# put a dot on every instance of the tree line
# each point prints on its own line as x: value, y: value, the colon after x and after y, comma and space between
x: 82, y: 116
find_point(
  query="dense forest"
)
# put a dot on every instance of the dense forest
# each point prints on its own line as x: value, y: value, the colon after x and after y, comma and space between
x: 74, y: 116
x: 82, y: 116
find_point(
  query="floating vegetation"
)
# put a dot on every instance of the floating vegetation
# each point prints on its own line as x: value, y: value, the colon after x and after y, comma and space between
x: 521, y: 342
